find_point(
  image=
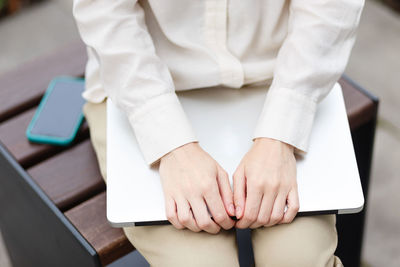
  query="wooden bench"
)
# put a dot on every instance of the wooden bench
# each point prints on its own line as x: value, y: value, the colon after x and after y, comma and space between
x: 52, y: 199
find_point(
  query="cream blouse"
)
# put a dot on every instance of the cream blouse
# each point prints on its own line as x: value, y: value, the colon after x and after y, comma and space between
x: 141, y: 52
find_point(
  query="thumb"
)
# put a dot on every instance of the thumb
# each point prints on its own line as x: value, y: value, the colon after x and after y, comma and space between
x: 225, y: 191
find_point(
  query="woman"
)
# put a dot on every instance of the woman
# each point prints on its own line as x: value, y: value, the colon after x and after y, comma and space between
x: 140, y: 53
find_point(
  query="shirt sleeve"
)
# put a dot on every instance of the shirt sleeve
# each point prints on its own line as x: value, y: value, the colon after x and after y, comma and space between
x: 132, y: 74
x: 321, y: 34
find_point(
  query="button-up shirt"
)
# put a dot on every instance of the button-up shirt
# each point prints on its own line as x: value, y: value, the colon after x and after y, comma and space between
x: 141, y: 52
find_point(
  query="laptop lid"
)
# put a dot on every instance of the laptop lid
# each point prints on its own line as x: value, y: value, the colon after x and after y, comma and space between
x: 224, y: 120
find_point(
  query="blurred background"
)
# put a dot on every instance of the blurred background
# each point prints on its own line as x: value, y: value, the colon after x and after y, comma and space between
x: 31, y: 28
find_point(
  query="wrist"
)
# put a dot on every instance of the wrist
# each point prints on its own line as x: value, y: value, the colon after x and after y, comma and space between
x: 270, y: 141
x: 181, y: 148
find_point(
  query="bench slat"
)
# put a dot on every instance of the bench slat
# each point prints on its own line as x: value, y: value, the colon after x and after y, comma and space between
x: 22, y: 88
x: 90, y: 220
x: 69, y: 177
x: 12, y: 135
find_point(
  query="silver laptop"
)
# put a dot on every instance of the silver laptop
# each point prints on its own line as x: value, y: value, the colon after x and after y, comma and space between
x: 224, y: 120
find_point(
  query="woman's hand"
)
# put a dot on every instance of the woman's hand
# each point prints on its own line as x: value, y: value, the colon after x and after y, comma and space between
x: 264, y: 182
x: 192, y: 182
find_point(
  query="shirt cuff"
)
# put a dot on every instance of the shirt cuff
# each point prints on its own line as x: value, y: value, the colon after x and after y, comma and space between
x: 287, y: 116
x: 160, y: 126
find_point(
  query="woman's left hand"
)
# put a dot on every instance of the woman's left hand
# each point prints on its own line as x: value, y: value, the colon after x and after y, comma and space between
x: 264, y: 183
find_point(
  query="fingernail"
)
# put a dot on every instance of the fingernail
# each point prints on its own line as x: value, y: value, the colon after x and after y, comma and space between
x: 231, y: 209
x: 238, y: 211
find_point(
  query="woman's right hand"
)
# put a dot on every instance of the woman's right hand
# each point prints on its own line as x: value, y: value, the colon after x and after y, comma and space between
x: 192, y: 182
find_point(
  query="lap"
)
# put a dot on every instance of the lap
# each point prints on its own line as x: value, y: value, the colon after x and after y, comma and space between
x: 307, y: 241
x: 166, y: 246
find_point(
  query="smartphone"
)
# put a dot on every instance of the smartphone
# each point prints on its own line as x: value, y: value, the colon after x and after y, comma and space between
x: 59, y: 114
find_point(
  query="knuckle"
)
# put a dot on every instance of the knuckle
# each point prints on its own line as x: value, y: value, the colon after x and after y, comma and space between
x: 251, y: 217
x: 219, y: 217
x: 273, y: 184
x: 296, y: 207
x: 258, y: 183
x: 262, y: 220
x: 179, y: 227
x: 196, y: 230
x: 204, y: 224
x: 170, y: 216
x: 284, y: 221
x: 188, y: 188
x: 284, y: 186
x: 206, y: 185
x: 228, y: 226
x: 275, y: 218
x: 215, y: 231
x: 289, y: 220
x: 184, y: 219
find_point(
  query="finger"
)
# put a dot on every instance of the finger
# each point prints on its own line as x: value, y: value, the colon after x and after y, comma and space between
x: 278, y: 209
x: 293, y: 206
x: 217, y: 209
x: 202, y: 217
x: 239, y: 191
x: 185, y: 215
x: 264, y: 214
x: 265, y: 211
x: 252, y: 207
x: 171, y: 213
x: 226, y: 191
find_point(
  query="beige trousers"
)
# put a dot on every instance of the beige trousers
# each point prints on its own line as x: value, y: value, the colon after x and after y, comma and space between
x: 307, y: 241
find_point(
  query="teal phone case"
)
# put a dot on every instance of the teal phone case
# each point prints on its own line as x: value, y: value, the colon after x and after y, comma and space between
x: 53, y: 140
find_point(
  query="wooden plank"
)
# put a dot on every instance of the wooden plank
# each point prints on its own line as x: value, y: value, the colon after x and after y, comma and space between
x: 360, y: 108
x: 23, y: 87
x: 70, y: 177
x: 90, y: 220
x: 12, y: 135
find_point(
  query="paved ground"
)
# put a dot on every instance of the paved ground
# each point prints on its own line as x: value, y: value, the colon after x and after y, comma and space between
x: 34, y: 32
x: 375, y: 64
